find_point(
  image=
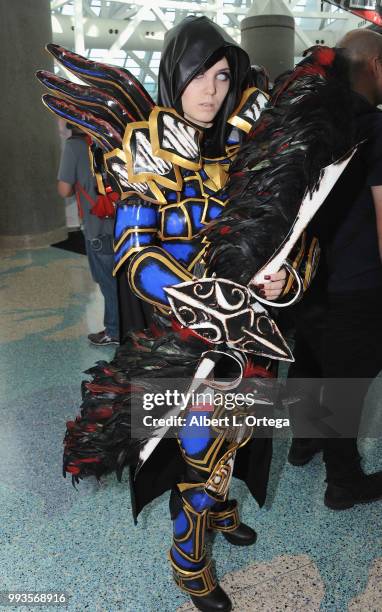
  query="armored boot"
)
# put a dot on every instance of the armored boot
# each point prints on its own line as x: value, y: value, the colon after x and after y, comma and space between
x: 192, y: 571
x: 224, y: 517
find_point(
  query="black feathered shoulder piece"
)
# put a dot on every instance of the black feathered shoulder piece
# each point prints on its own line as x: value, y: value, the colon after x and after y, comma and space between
x: 307, y: 125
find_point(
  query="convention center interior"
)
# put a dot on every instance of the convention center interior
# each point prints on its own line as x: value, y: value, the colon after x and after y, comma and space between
x: 191, y: 306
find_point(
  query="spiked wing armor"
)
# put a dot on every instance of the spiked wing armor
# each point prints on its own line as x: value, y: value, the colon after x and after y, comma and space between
x: 152, y: 158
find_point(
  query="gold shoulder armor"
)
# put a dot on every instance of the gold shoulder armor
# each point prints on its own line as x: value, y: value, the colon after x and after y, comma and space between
x: 249, y: 109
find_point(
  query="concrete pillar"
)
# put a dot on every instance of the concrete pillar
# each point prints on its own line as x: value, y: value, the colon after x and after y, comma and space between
x: 31, y: 212
x: 267, y: 35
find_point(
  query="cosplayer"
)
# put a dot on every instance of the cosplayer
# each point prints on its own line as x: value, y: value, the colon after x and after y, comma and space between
x: 171, y: 174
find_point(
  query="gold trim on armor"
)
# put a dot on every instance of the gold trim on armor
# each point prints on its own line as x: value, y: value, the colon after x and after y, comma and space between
x: 232, y: 151
x: 199, y: 528
x: 178, y: 205
x: 218, y: 175
x: 170, y: 262
x: 205, y: 575
x: 206, y: 206
x: 311, y: 264
x: 203, y: 185
x: 200, y: 549
x: 158, y: 199
x: 115, y: 84
x: 176, y: 159
x: 198, y: 257
x: 135, y: 230
x: 126, y: 256
x: 190, y: 525
x: 94, y: 135
x: 234, y: 446
x: 157, y: 193
x: 233, y: 514
x: 143, y: 177
x: 205, y: 464
x: 223, y: 471
x: 240, y: 122
x: 187, y: 486
x: 295, y: 263
x: 198, y: 178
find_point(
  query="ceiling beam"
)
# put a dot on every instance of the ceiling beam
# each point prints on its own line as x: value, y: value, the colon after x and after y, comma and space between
x: 213, y: 8
x: 142, y: 64
x: 125, y: 34
x: 306, y: 41
x: 56, y: 4
x: 162, y: 17
x: 79, y: 35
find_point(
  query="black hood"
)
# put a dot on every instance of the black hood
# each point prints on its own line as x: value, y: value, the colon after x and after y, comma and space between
x: 187, y: 49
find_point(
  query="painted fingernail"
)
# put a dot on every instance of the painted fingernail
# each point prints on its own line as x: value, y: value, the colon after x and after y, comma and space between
x: 262, y: 292
x: 260, y: 286
x: 267, y: 277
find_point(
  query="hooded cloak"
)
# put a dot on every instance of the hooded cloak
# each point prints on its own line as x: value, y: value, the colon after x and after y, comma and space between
x: 191, y: 47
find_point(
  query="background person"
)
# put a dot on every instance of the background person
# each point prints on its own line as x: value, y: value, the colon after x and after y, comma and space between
x: 339, y: 330
x: 75, y: 176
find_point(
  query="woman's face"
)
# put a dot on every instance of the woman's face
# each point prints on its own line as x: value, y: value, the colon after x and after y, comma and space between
x: 204, y: 95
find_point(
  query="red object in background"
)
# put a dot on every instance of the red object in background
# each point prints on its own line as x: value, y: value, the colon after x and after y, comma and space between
x: 362, y: 10
x: 103, y: 207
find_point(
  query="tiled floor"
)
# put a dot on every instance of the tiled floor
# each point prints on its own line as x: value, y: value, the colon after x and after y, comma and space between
x: 84, y: 543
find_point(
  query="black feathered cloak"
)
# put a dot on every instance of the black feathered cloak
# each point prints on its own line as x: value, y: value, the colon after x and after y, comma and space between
x: 99, y: 441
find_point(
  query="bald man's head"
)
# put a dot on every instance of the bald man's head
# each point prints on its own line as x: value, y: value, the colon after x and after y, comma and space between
x: 361, y: 45
x: 363, y: 51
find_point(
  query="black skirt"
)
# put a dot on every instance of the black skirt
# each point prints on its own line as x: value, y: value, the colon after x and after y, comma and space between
x: 134, y: 313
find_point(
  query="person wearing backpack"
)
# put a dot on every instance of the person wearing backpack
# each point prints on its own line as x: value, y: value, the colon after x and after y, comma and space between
x: 75, y: 177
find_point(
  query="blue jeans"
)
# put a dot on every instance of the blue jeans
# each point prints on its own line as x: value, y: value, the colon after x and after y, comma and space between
x: 101, y: 263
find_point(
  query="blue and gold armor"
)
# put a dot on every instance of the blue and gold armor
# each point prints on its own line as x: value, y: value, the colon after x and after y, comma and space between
x: 160, y: 242
x: 170, y: 191
x: 158, y: 234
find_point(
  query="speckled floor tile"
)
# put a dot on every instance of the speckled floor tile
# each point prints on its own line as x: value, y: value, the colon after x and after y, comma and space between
x: 286, y: 583
x: 84, y: 541
x: 371, y: 598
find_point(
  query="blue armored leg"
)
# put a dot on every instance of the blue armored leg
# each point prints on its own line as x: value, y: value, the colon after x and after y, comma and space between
x: 189, y: 506
x: 200, y: 503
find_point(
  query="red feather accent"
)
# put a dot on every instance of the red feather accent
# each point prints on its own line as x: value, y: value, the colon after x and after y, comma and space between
x: 185, y: 333
x: 156, y: 331
x: 101, y: 413
x: 96, y: 388
x: 324, y: 56
x: 91, y: 427
x: 107, y: 372
x: 72, y: 469
x: 255, y: 371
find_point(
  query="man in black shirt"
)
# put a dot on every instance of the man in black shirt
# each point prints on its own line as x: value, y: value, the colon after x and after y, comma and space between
x: 339, y: 333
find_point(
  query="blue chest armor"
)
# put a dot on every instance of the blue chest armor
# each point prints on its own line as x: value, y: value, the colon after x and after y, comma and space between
x: 158, y: 233
x: 163, y: 243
